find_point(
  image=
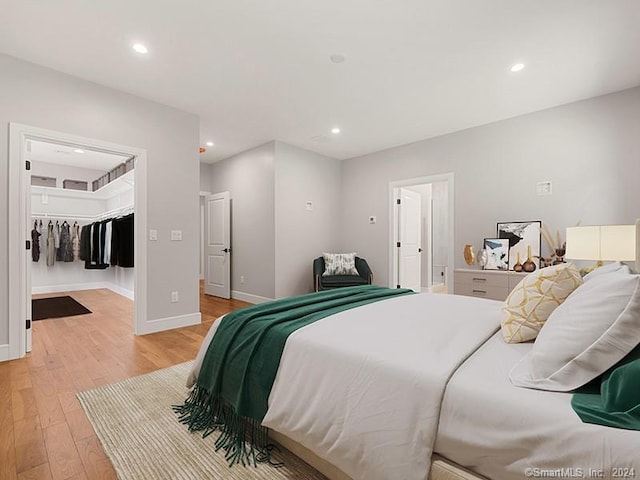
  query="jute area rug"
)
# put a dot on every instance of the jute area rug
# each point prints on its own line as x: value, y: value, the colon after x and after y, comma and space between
x: 143, y: 439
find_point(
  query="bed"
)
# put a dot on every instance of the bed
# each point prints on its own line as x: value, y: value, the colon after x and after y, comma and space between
x: 418, y: 387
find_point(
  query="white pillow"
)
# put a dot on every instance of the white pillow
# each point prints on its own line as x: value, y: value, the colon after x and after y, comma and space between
x: 595, y: 327
x: 534, y: 299
x: 339, y: 264
x: 608, y: 268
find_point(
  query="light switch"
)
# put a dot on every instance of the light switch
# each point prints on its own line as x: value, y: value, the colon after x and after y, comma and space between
x: 544, y: 188
x: 176, y: 235
x: 153, y: 235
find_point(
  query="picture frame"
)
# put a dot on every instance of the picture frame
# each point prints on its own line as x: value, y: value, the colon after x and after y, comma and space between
x: 496, y: 253
x: 521, y: 235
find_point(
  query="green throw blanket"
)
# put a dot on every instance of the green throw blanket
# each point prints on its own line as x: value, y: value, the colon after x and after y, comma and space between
x: 612, y: 399
x: 240, y: 366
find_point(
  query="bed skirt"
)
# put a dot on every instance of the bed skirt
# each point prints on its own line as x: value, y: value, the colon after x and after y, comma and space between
x: 441, y: 468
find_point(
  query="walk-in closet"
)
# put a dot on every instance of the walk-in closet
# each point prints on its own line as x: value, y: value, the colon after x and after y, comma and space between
x: 81, y: 230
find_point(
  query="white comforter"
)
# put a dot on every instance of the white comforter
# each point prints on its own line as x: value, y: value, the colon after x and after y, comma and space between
x: 363, y: 388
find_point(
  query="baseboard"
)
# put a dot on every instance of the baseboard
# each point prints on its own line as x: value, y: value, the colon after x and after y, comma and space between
x: 168, y: 323
x: 4, y: 352
x: 121, y: 291
x: 247, y: 297
x: 72, y: 287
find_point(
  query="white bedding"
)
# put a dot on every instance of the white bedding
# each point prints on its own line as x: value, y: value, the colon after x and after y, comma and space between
x: 362, y: 388
x: 501, y: 431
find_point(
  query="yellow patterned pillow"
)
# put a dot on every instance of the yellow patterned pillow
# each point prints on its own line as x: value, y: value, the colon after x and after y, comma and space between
x: 537, y: 295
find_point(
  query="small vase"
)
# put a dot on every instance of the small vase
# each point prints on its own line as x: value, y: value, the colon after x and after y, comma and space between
x: 469, y: 256
x: 518, y: 266
x: 528, y: 266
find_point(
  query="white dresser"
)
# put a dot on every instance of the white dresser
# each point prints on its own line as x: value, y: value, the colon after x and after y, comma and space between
x: 493, y: 284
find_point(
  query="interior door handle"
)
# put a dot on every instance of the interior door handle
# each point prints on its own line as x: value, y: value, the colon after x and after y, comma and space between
x: 226, y: 250
x: 419, y: 250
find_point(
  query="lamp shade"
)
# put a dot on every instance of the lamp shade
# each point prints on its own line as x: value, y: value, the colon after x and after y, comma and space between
x: 618, y: 242
x: 583, y: 243
x: 606, y: 242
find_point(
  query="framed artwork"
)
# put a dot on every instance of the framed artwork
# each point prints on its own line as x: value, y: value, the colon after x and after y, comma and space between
x: 497, y: 253
x: 522, y: 235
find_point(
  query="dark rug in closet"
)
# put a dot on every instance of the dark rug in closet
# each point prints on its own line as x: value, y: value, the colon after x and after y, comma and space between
x: 56, y: 307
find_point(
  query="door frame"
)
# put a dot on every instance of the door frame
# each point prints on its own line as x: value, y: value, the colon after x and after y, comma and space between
x: 394, y: 222
x: 19, y: 219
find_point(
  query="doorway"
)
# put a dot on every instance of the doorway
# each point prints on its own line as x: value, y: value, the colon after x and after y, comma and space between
x: 421, y: 233
x: 20, y: 215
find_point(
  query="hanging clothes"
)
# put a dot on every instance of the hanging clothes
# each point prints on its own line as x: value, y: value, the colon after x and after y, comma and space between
x: 51, y: 245
x: 122, y: 243
x: 75, y: 240
x: 65, y: 251
x: 43, y: 238
x: 35, y: 242
x: 56, y: 237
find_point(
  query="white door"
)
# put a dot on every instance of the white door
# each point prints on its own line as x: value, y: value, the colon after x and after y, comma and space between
x: 409, y: 235
x: 218, y: 245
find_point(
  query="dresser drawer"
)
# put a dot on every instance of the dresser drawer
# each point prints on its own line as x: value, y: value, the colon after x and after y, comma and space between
x: 482, y: 278
x: 482, y: 291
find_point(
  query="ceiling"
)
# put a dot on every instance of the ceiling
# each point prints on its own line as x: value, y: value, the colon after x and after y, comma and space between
x: 259, y: 71
x: 72, y: 156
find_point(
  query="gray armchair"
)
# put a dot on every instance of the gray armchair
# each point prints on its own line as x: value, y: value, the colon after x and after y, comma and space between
x: 364, y: 277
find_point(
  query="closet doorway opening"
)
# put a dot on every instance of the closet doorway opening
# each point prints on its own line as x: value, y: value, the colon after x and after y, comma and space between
x: 79, y: 204
x: 421, y: 233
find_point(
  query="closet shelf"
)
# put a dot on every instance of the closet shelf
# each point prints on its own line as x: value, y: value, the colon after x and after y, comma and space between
x: 121, y: 184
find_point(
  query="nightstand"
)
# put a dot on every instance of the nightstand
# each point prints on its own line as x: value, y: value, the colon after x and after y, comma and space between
x: 493, y: 284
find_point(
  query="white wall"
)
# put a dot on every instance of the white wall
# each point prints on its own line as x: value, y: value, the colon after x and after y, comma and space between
x: 205, y: 177
x: 302, y: 235
x: 34, y: 95
x: 589, y: 150
x: 440, y: 236
x: 249, y: 177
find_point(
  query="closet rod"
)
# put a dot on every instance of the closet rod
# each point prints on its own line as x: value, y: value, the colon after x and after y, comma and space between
x: 75, y: 216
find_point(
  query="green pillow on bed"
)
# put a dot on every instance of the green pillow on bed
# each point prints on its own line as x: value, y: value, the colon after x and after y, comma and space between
x: 614, y: 398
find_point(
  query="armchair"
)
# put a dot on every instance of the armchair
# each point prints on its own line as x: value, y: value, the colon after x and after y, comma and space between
x: 320, y: 282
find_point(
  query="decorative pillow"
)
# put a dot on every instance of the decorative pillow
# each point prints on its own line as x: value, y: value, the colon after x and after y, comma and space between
x: 339, y: 264
x: 536, y: 296
x: 596, y: 326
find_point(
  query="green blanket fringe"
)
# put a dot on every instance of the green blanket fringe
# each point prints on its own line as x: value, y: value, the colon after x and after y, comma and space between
x: 243, y: 439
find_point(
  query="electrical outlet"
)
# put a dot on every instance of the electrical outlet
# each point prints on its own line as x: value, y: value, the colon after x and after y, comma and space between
x: 153, y: 235
x: 174, y: 297
x: 176, y: 235
x: 308, y: 205
x: 241, y: 278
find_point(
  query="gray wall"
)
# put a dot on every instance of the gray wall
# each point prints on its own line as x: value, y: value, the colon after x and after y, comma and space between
x: 41, y: 97
x: 205, y: 177
x: 249, y: 177
x: 302, y: 235
x: 590, y: 150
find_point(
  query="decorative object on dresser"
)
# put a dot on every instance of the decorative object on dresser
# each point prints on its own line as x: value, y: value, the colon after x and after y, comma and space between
x: 497, y: 250
x: 557, y: 247
x: 492, y: 284
x: 520, y: 236
x: 469, y: 256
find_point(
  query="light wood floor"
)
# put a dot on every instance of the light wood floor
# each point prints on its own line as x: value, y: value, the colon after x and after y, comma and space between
x: 44, y: 433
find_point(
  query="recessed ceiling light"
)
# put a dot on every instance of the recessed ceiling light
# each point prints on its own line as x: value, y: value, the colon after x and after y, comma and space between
x: 140, y: 48
x: 337, y: 58
x: 516, y: 67
x: 210, y: 144
x: 78, y: 150
x: 335, y: 130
